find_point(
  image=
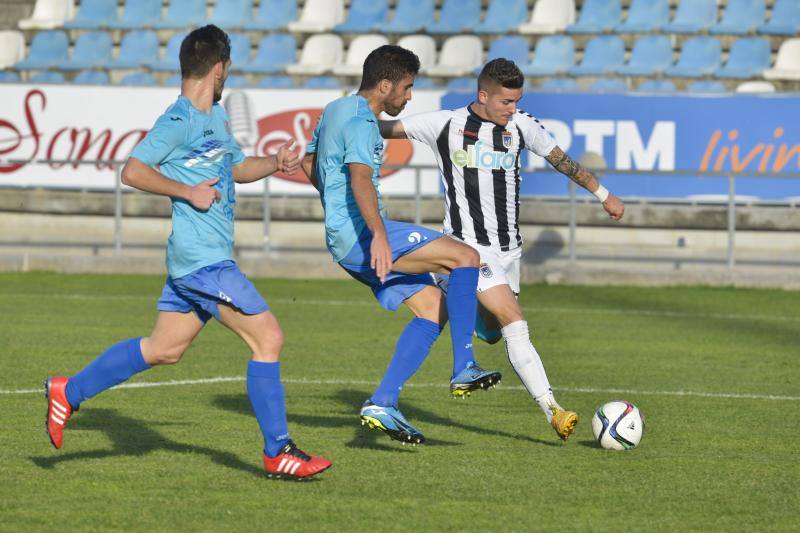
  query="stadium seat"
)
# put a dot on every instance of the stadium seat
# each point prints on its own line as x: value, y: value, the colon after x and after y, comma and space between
x: 273, y: 15
x: 138, y: 14
x: 323, y: 82
x: 424, y: 83
x: 235, y: 81
x: 183, y: 14
x: 12, y: 48
x: 692, y: 16
x: 602, y: 55
x: 138, y: 79
x: 93, y: 14
x: 240, y: 50
x: 461, y: 85
x: 275, y: 51
x: 513, y: 47
x: 319, y: 53
x: 364, y: 16
x: 597, y: 16
x: 787, y: 63
x: 706, y: 86
x: 174, y: 80
x: 740, y: 17
x: 503, y: 16
x: 170, y: 61
x: 48, y: 14
x: 137, y: 49
x: 559, y: 84
x: 49, y: 76
x: 747, y: 58
x: 656, y: 86
x: 549, y: 16
x: 554, y: 54
x: 319, y: 16
x: 425, y: 48
x: 755, y: 87
x: 645, y: 16
x: 456, y: 16
x: 460, y: 55
x: 651, y: 54
x: 48, y: 49
x: 410, y: 16
x: 785, y: 19
x: 91, y: 77
x: 276, y: 82
x: 92, y: 49
x: 7, y: 76
x: 609, y: 85
x: 359, y: 50
x: 700, y: 56
x: 232, y: 13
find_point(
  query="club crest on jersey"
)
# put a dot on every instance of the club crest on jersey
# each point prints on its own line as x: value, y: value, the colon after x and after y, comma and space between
x: 507, y: 139
x: 477, y: 156
x: 486, y: 270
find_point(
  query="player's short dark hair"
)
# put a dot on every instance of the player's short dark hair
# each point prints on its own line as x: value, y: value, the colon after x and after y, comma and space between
x: 388, y: 62
x: 202, y: 49
x: 502, y: 72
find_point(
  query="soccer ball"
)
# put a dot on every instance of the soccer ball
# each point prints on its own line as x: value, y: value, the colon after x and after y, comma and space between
x: 618, y: 425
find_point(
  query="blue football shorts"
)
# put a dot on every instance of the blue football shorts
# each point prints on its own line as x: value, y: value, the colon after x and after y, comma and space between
x: 403, y: 239
x: 204, y: 289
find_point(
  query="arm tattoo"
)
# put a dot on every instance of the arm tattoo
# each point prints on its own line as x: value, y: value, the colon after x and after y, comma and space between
x: 567, y: 166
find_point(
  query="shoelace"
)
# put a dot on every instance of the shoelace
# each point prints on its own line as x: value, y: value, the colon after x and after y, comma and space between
x: 292, y: 449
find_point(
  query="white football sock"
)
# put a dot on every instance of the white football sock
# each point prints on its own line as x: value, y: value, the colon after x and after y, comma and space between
x: 528, y: 365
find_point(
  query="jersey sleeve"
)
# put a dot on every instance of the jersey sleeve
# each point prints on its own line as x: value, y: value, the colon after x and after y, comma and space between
x: 359, y: 145
x: 537, y: 139
x: 167, y: 133
x: 425, y: 127
x: 312, y: 146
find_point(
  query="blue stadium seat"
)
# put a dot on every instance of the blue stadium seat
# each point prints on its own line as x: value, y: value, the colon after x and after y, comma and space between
x: 273, y: 15
x: 656, y: 86
x: 597, y: 16
x: 424, y: 82
x: 92, y: 49
x: 609, y: 85
x: 93, y: 14
x: 513, y: 47
x: 503, y: 16
x: 323, y: 82
x: 275, y: 51
x: 559, y: 84
x: 785, y: 19
x: 232, y: 13
x: 183, y: 14
x: 236, y: 82
x: 740, y: 17
x: 410, y: 16
x: 138, y: 14
x: 7, y: 76
x: 138, y: 79
x: 706, y: 86
x: 602, y: 55
x: 170, y: 61
x: 138, y: 48
x: 747, y: 58
x: 699, y: 57
x: 457, y: 16
x: 48, y: 49
x: 240, y: 50
x: 49, y: 76
x: 651, y: 54
x: 276, y: 82
x: 364, y: 16
x: 554, y: 54
x: 645, y: 16
x: 91, y: 77
x: 174, y: 80
x: 461, y: 85
x: 692, y: 16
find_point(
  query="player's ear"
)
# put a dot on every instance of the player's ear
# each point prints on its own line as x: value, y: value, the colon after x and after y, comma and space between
x: 483, y: 96
x: 385, y: 87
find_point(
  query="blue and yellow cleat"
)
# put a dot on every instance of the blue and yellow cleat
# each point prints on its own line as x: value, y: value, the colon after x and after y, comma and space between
x: 473, y: 378
x: 391, y: 421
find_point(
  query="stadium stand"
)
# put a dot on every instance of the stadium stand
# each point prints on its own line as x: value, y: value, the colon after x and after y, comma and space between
x: 91, y: 77
x: 700, y: 56
x: 236, y: 81
x: 755, y: 87
x: 787, y: 63
x: 137, y: 49
x: 513, y: 47
x: 240, y: 50
x: 460, y: 55
x: 231, y: 14
x: 456, y: 16
x: 559, y: 84
x: 276, y: 82
x: 358, y: 52
x: 138, y: 79
x: 692, y: 16
x: 461, y: 85
x: 8, y: 76
x: 138, y: 14
x: 425, y: 48
x: 785, y: 19
x: 645, y: 16
x: 747, y: 58
x: 272, y: 15
x: 320, y: 53
x: 323, y: 82
x: 651, y: 54
x: 608, y: 85
x: 48, y: 49
x: 48, y: 76
x: 706, y: 86
x: 503, y: 16
x: 364, y: 16
x: 741, y: 17
x: 183, y: 14
x: 91, y: 50
x: 12, y: 48
x: 656, y: 86
x: 319, y: 16
x: 174, y: 80
x: 549, y: 16
x: 410, y: 16
x: 93, y: 14
x: 169, y: 61
x: 554, y: 54
x: 275, y: 52
x: 597, y: 16
x: 603, y: 55
x: 48, y: 15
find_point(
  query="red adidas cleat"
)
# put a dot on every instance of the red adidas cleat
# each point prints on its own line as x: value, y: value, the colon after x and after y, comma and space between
x: 58, y: 408
x: 293, y: 463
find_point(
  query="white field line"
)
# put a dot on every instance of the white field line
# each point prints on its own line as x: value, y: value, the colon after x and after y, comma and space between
x: 340, y: 382
x: 351, y: 303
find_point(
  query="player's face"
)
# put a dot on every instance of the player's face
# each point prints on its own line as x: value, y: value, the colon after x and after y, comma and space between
x: 500, y: 103
x: 399, y: 95
x: 219, y: 83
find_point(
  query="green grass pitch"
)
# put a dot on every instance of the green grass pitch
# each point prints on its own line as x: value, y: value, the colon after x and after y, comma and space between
x: 715, y: 371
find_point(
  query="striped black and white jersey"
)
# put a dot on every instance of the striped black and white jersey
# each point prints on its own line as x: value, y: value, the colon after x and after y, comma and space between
x: 480, y: 164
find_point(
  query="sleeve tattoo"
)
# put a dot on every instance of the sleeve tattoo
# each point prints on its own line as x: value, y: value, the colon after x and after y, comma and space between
x: 567, y: 166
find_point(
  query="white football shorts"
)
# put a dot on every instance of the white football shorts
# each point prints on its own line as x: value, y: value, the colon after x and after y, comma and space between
x: 497, y: 268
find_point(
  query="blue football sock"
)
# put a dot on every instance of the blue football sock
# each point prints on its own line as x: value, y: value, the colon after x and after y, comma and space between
x: 115, y: 365
x: 462, y: 304
x: 412, y: 348
x: 265, y: 390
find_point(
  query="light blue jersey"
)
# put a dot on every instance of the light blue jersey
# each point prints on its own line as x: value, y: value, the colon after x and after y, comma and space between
x: 190, y: 146
x: 347, y: 133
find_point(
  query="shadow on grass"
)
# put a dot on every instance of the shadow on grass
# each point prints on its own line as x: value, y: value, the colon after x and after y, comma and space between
x: 590, y: 444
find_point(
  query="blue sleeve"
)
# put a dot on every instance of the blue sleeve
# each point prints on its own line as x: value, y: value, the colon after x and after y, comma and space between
x: 359, y: 142
x: 312, y: 146
x: 238, y: 155
x: 167, y: 133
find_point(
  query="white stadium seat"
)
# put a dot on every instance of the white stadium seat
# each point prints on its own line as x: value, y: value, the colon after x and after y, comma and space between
x: 358, y: 52
x: 49, y: 14
x: 12, y: 47
x: 460, y: 55
x: 425, y: 48
x: 755, y: 87
x: 787, y: 64
x: 550, y: 16
x: 319, y: 16
x: 320, y: 53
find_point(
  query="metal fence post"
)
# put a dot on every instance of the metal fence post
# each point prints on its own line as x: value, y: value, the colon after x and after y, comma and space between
x: 417, y: 196
x: 118, y: 209
x: 267, y: 216
x: 573, y: 220
x: 731, y: 221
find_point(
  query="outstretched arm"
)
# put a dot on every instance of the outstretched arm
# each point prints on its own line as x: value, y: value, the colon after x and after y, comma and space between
x: 580, y: 175
x: 367, y: 200
x: 252, y: 169
x: 392, y: 129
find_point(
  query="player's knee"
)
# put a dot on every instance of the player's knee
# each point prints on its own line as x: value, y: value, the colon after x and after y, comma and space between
x: 270, y: 342
x: 163, y: 355
x: 467, y: 257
